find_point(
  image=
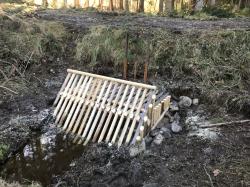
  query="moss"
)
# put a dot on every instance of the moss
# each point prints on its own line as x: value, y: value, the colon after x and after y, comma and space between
x: 3, y: 151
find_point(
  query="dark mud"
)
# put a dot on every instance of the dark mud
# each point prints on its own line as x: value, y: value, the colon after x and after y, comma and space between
x: 46, y: 154
x: 82, y: 19
x: 182, y: 160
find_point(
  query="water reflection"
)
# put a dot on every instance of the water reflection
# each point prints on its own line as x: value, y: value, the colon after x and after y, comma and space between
x: 44, y: 157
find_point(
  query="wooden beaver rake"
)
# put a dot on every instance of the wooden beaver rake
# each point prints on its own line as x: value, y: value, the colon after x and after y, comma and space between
x: 98, y: 108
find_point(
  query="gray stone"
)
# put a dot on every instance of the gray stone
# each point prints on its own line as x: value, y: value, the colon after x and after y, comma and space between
x: 136, y: 149
x: 175, y: 127
x: 177, y: 117
x: 158, y: 139
x: 163, y: 122
x: 185, y: 102
x: 148, y: 140
x: 166, y: 132
x: 195, y: 101
x: 154, y: 132
x: 173, y: 107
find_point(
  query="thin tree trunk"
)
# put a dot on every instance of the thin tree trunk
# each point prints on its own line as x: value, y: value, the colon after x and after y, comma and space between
x: 125, y: 64
x: 111, y: 6
x: 161, y: 6
x: 121, y: 4
x: 141, y: 5
x: 126, y: 5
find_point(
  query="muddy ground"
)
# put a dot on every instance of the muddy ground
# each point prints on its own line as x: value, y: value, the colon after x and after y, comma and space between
x: 183, y: 159
x: 87, y: 19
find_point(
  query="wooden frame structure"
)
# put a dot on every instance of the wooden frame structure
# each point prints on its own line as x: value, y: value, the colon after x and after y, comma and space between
x: 98, y: 108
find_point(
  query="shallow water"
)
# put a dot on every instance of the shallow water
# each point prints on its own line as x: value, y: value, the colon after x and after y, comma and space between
x: 45, y: 156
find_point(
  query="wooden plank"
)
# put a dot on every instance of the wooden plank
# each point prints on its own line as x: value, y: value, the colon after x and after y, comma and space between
x: 123, y: 115
x: 116, y: 115
x: 136, y: 114
x: 159, y: 119
x: 63, y: 112
x: 129, y: 118
x: 113, y: 79
x: 81, y: 94
x: 110, y: 114
x: 84, y: 103
x: 137, y: 130
x: 106, y: 109
x: 63, y: 97
x: 62, y: 89
x: 67, y: 98
x: 97, y: 105
x: 101, y: 107
x: 89, y: 108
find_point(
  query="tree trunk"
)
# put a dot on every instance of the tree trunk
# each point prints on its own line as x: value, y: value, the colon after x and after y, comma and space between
x: 126, y: 5
x: 141, y: 5
x: 111, y: 6
x: 161, y: 6
x: 240, y: 4
x: 121, y: 4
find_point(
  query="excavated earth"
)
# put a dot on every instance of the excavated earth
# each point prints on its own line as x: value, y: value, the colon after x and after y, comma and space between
x: 193, y: 157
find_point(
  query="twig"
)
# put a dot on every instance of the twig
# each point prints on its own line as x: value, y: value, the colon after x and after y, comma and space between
x: 8, y: 89
x: 224, y: 123
x: 4, y: 75
x: 210, y: 179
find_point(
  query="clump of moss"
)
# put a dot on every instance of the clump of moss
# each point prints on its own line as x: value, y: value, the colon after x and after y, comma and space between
x: 3, y: 151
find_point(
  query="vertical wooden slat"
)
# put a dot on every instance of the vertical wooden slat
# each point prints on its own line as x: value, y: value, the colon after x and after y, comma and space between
x: 106, y: 110
x: 142, y: 116
x: 116, y: 114
x: 123, y: 115
x: 85, y: 104
x: 67, y: 98
x: 129, y: 117
x: 63, y: 112
x: 110, y: 114
x: 70, y: 120
x: 94, y: 110
x: 136, y: 114
x: 90, y: 105
x: 101, y: 108
x: 63, y: 95
x: 62, y: 88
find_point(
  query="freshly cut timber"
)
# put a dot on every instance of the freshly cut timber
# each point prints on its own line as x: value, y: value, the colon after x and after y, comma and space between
x: 97, y: 108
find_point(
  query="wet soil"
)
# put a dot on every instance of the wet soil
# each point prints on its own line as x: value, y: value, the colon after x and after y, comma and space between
x: 82, y: 19
x: 182, y: 160
x: 46, y: 154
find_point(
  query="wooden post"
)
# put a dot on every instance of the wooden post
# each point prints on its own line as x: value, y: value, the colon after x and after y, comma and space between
x: 146, y: 72
x: 142, y: 128
x: 125, y: 64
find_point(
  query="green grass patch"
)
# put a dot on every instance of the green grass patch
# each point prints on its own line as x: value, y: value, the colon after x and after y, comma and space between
x: 3, y: 151
x: 217, y: 61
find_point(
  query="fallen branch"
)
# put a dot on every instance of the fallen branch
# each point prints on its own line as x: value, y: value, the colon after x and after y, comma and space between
x: 224, y: 123
x: 8, y: 89
x: 210, y: 179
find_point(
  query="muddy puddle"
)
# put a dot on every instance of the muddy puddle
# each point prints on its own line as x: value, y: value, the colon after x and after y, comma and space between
x: 46, y: 155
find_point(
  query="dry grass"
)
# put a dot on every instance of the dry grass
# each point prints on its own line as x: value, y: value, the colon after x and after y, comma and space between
x: 16, y: 184
x: 217, y: 61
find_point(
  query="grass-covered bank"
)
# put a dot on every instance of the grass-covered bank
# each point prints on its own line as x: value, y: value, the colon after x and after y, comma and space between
x: 218, y: 62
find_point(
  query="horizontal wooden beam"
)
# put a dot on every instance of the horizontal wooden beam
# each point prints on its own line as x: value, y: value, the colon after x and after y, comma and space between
x: 113, y: 79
